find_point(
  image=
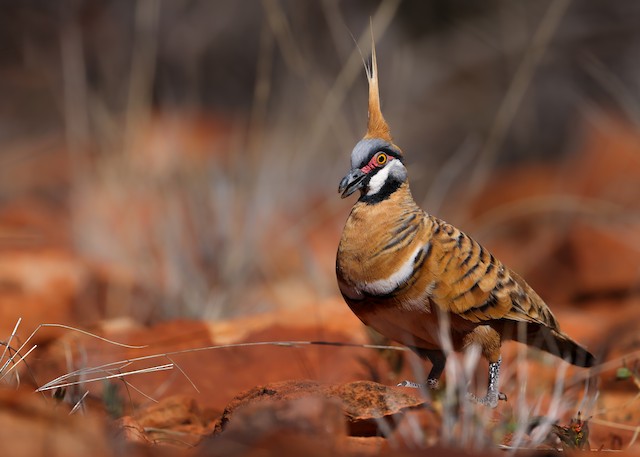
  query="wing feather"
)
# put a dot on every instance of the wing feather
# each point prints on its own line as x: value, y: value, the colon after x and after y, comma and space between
x: 475, y: 285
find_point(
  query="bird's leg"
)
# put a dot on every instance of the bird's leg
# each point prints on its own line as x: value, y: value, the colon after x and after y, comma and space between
x: 438, y: 360
x: 493, y: 395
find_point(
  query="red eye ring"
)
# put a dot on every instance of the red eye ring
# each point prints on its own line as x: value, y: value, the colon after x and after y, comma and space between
x: 377, y: 161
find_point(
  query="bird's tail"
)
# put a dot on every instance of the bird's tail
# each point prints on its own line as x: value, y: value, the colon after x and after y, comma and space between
x: 561, y: 345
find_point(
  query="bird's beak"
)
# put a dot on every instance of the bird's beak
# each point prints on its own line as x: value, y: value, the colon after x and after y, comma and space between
x: 352, y: 182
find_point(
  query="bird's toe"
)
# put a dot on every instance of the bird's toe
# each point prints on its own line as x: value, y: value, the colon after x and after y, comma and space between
x: 490, y: 400
x: 406, y: 383
x: 431, y: 384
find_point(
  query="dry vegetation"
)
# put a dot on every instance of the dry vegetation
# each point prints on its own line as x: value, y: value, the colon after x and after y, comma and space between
x: 168, y: 177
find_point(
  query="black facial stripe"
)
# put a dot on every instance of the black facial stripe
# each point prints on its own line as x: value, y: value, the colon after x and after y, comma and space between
x: 389, y: 187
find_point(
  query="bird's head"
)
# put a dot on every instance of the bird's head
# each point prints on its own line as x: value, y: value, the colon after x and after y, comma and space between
x: 377, y: 167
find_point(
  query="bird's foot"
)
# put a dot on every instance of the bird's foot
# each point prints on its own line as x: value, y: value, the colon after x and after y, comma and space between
x: 430, y: 384
x: 490, y: 400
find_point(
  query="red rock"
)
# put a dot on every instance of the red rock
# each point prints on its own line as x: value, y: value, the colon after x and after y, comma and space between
x: 74, y: 351
x: 277, y: 444
x: 608, y: 167
x: 365, y: 405
x: 607, y: 257
x: 32, y: 425
x: 613, y: 427
x: 363, y: 445
x: 132, y: 431
x: 28, y: 224
x: 39, y: 287
x: 220, y: 374
x: 418, y: 428
x: 173, y: 416
x: 328, y: 315
x: 310, y: 425
x: 310, y: 414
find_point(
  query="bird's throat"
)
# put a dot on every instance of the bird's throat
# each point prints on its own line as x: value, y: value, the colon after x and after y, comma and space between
x: 390, y: 187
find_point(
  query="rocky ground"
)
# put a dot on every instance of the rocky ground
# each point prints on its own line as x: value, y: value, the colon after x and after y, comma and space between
x: 572, y: 229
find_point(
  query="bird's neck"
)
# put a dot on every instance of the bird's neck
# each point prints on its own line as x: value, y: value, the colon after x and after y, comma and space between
x: 394, y: 192
x: 392, y: 189
x: 386, y: 211
x: 370, y: 230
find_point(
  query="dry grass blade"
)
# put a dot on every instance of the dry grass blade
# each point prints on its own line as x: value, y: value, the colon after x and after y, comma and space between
x: 625, y: 406
x: 636, y: 378
x: 599, y: 369
x: 279, y: 24
x: 5, y: 373
x: 143, y: 63
x: 120, y: 364
x: 78, y: 403
x: 622, y: 95
x: 128, y: 385
x: 86, y: 371
x: 517, y: 89
x: 630, y: 428
x: 93, y: 335
x: 8, y: 344
x: 168, y: 366
x: 67, y: 327
x: 7, y: 347
x: 185, y: 375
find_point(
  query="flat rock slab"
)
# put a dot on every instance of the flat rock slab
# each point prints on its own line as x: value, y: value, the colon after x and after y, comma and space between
x: 366, y: 406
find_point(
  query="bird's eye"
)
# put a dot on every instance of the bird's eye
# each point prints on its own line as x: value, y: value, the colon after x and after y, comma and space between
x: 381, y: 158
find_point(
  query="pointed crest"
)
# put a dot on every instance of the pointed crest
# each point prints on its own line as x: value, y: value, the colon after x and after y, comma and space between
x: 376, y: 127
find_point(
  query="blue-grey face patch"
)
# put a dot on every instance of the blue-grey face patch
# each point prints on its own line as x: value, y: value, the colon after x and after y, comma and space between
x: 364, y: 148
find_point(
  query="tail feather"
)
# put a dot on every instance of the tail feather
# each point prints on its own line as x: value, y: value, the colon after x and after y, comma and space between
x: 549, y: 340
x: 561, y: 345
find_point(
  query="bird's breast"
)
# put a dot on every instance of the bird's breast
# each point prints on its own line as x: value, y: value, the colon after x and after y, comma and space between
x: 383, y: 256
x: 375, y: 277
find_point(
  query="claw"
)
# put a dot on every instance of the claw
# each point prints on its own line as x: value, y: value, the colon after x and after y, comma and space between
x: 490, y: 400
x: 430, y: 384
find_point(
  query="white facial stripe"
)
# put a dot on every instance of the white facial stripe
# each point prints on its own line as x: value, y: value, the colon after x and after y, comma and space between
x: 385, y: 286
x: 349, y: 291
x: 379, y: 179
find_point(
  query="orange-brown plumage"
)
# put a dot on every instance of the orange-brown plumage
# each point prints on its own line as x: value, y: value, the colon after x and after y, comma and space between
x: 376, y: 125
x: 406, y: 273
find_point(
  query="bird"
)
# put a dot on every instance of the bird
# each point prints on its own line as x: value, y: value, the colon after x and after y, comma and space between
x: 419, y: 280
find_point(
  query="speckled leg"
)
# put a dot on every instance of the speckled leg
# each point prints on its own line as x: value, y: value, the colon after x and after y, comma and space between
x: 493, y: 395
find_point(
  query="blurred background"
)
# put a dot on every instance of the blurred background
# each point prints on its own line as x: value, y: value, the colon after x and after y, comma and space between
x: 169, y: 174
x: 181, y: 158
